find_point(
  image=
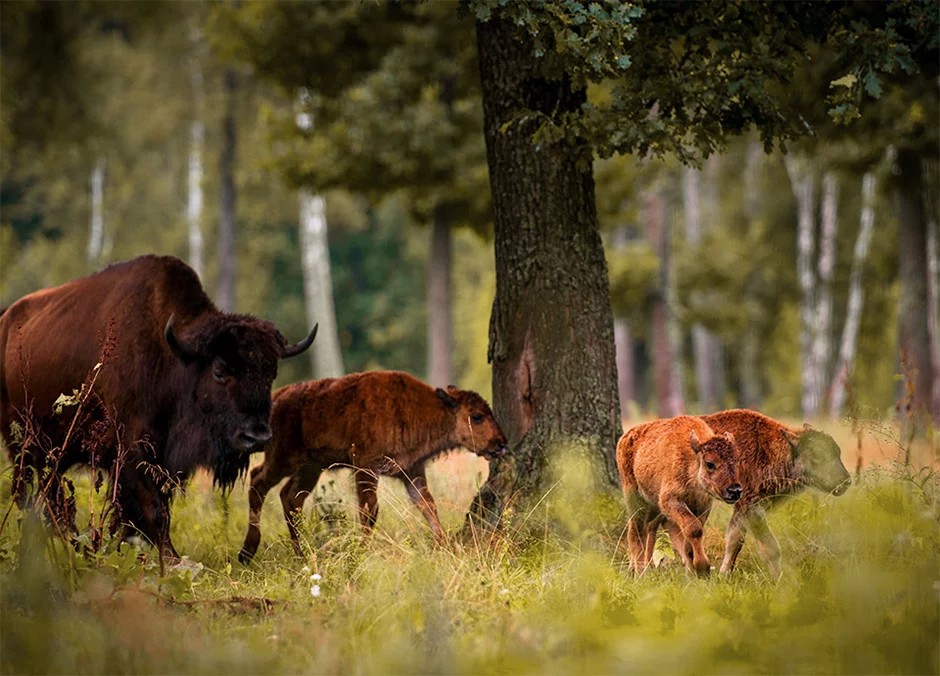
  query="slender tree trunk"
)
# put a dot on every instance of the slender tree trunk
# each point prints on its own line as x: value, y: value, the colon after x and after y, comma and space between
x: 551, y: 331
x: 751, y: 390
x: 325, y: 354
x: 96, y: 229
x: 226, y: 293
x: 853, y: 312
x: 626, y: 368
x: 197, y: 134
x: 914, y: 311
x: 822, y: 341
x: 440, y: 339
x: 668, y: 395
x: 703, y: 342
x: 804, y: 189
x: 933, y: 265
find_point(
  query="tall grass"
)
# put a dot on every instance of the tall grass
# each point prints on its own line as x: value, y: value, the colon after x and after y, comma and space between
x: 549, y: 595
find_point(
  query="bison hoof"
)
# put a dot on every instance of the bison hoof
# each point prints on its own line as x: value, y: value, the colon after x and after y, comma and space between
x: 245, y: 557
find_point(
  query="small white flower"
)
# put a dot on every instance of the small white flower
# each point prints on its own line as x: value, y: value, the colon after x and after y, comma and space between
x: 305, y: 570
x: 503, y: 591
x: 315, y: 577
x: 315, y: 591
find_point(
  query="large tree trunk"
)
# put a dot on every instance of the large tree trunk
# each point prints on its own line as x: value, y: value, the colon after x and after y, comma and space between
x: 96, y: 226
x: 551, y: 331
x: 197, y: 134
x: 440, y: 354
x: 325, y: 355
x: 853, y: 312
x: 665, y: 363
x: 226, y: 293
x: 914, y: 311
x: 804, y: 189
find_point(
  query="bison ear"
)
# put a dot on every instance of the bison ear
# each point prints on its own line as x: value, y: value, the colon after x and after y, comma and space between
x: 186, y: 353
x: 694, y: 442
x: 792, y: 439
x: 807, y: 426
x: 451, y: 403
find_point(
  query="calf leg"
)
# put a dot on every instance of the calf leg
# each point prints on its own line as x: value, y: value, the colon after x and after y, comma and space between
x: 293, y: 495
x: 367, y: 485
x: 416, y: 484
x: 734, y: 541
x: 682, y: 546
x: 263, y: 478
x: 766, y: 542
x: 690, y: 526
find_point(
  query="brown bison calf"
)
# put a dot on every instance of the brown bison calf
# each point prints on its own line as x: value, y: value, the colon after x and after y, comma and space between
x: 773, y: 461
x: 379, y: 422
x: 670, y: 470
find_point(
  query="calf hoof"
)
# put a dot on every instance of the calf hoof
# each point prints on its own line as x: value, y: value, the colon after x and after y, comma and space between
x: 703, y: 570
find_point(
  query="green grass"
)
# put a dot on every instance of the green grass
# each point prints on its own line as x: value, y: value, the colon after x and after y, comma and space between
x: 550, y: 595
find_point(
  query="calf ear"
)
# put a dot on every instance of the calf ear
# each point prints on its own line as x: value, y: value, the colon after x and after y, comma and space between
x: 451, y: 403
x: 792, y: 439
x: 729, y: 437
x: 694, y: 442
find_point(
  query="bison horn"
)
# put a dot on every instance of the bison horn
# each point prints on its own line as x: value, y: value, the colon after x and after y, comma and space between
x: 297, y: 348
x: 180, y: 348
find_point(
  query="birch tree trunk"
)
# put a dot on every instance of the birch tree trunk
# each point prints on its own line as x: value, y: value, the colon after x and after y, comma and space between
x: 96, y: 226
x: 822, y: 341
x: 325, y: 354
x: 853, y: 312
x: 440, y: 322
x: 668, y: 395
x: 626, y: 368
x: 751, y: 393
x: 197, y: 135
x: 226, y: 293
x: 804, y: 189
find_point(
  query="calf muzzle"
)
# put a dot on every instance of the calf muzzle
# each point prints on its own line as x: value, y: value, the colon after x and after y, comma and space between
x: 732, y: 493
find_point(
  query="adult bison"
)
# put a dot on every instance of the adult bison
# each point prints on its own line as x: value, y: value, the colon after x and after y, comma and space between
x: 181, y: 385
x: 774, y: 461
x: 378, y: 422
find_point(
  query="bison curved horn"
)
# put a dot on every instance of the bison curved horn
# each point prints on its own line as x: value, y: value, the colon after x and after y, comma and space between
x: 179, y: 347
x: 298, y: 347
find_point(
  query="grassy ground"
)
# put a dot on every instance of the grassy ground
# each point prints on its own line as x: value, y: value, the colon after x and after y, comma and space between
x: 551, y: 595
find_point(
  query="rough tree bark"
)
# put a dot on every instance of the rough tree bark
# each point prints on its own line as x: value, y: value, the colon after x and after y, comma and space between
x: 325, y: 354
x: 668, y: 393
x: 551, y: 329
x: 914, y: 332
x: 853, y: 312
x: 440, y: 339
x: 226, y: 285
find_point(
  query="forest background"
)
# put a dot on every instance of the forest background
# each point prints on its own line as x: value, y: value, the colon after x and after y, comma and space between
x: 770, y: 281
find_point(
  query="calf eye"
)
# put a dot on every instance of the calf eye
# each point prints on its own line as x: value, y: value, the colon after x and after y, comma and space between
x: 476, y: 419
x: 710, y: 466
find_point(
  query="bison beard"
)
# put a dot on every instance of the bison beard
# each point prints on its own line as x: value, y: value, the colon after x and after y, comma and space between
x: 187, y: 386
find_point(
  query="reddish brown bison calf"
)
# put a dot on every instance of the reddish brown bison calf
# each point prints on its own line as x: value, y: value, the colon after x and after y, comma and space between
x: 379, y: 422
x: 773, y: 461
x: 670, y: 470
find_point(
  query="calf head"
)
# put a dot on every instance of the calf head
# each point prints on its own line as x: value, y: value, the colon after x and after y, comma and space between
x: 717, y: 468
x: 475, y: 428
x: 817, y: 460
x: 232, y: 362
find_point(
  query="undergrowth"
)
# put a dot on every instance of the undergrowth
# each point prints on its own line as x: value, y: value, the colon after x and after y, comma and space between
x: 551, y: 594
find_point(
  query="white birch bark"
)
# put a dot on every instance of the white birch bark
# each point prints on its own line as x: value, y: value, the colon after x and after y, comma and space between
x: 933, y: 310
x: 804, y: 189
x: 822, y: 341
x: 96, y: 227
x: 197, y: 135
x: 326, y: 356
x: 853, y: 313
x: 440, y: 322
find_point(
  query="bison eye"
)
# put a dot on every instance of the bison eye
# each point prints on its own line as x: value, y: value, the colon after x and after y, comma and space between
x: 476, y: 419
x: 710, y: 466
x: 219, y: 374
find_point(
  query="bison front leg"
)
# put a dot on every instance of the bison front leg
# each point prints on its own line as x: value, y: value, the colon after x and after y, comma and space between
x: 263, y: 478
x: 416, y: 484
x: 367, y: 485
x: 142, y: 507
x: 691, y: 528
x: 293, y: 495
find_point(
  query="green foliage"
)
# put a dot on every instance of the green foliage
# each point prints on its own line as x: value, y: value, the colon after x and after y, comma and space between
x: 856, y: 595
x: 634, y: 275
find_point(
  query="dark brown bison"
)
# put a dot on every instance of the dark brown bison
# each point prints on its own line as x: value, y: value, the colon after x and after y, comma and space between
x: 181, y: 386
x: 774, y: 461
x: 378, y: 422
x: 671, y: 469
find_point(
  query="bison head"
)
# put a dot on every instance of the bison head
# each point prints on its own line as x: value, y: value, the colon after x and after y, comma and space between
x: 475, y: 428
x: 717, y: 468
x: 818, y: 460
x: 232, y: 362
